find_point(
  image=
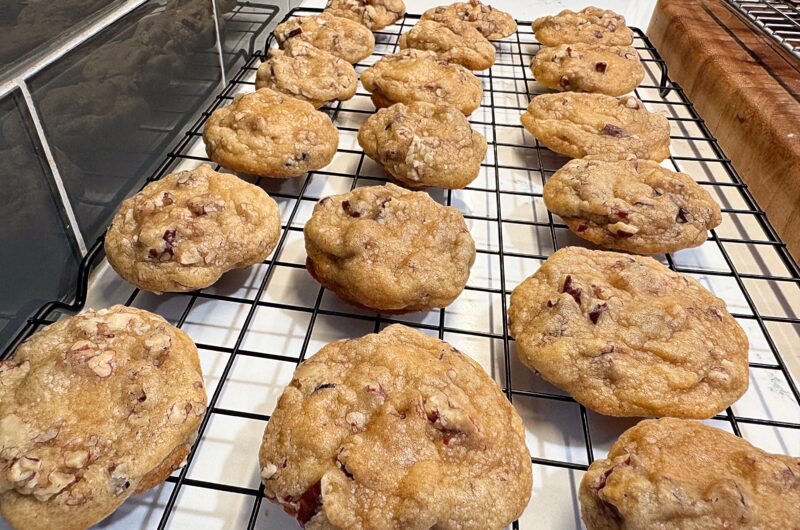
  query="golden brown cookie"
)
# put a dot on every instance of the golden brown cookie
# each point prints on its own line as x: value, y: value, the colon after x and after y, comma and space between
x: 422, y: 145
x: 416, y: 75
x: 610, y: 70
x: 579, y: 125
x: 339, y: 36
x: 591, y: 25
x: 454, y: 41
x: 395, y: 430
x: 678, y: 474
x: 307, y: 73
x: 181, y: 233
x: 269, y: 134
x: 492, y: 23
x: 626, y: 336
x: 374, y: 14
x: 389, y: 249
x: 633, y: 205
x: 93, y: 409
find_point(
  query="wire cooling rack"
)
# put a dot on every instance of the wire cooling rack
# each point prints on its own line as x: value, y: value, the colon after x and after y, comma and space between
x: 254, y: 326
x: 780, y: 19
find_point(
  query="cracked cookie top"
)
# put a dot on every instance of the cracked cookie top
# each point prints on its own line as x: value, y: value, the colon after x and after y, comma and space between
x: 610, y: 70
x: 374, y: 14
x: 453, y: 40
x: 591, y: 25
x: 492, y: 23
x: 418, y: 75
x: 632, y: 205
x: 626, y: 336
x: 182, y: 232
x: 339, y: 36
x: 676, y: 474
x: 395, y: 430
x: 307, y: 73
x: 389, y: 249
x: 269, y: 134
x: 92, y: 409
x: 579, y: 125
x: 423, y: 145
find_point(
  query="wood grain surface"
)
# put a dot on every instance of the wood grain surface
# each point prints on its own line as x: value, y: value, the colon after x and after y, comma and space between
x: 748, y: 92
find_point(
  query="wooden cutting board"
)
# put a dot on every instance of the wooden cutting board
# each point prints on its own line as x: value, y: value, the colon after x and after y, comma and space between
x: 748, y: 91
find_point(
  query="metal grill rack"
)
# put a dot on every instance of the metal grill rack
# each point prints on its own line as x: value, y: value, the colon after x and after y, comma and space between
x: 254, y: 326
x: 780, y: 19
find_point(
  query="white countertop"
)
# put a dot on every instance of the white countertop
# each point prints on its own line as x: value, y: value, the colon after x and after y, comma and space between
x: 637, y: 12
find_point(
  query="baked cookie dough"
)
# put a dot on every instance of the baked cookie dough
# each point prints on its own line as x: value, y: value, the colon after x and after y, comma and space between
x: 389, y: 250
x: 395, y: 430
x: 626, y: 336
x: 339, y: 36
x: 93, y: 409
x: 422, y: 145
x: 492, y: 23
x: 269, y: 134
x: 181, y: 233
x: 374, y: 14
x: 635, y: 205
x: 592, y: 25
x: 454, y: 41
x: 417, y: 75
x: 610, y: 70
x: 675, y: 474
x: 307, y: 73
x: 579, y: 125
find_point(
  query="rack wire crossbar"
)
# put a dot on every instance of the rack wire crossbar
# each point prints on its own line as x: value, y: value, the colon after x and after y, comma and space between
x: 780, y: 19
x: 515, y: 170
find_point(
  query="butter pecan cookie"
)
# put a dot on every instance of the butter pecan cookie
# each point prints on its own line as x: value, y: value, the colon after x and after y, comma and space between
x: 388, y: 249
x: 610, y: 70
x: 417, y: 75
x: 675, y: 474
x: 422, y: 144
x: 395, y: 430
x: 93, y: 409
x: 592, y: 25
x: 579, y: 125
x: 343, y: 38
x: 626, y: 336
x: 269, y: 134
x: 374, y: 14
x: 492, y: 23
x: 307, y: 73
x: 633, y: 205
x: 454, y: 41
x: 181, y: 233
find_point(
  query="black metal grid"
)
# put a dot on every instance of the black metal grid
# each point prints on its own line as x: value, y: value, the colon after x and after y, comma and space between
x: 780, y: 19
x: 506, y: 96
